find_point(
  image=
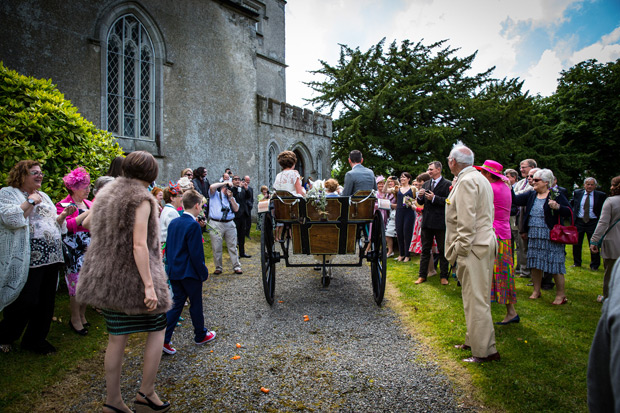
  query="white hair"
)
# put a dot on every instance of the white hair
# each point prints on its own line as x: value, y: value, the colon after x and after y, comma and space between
x: 462, y: 154
x: 546, y: 175
x: 590, y: 178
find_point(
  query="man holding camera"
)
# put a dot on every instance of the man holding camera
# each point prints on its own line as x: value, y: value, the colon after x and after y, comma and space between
x: 242, y: 214
x: 222, y: 209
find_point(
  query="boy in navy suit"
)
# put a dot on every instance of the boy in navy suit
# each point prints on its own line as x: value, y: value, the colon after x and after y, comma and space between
x: 186, y: 270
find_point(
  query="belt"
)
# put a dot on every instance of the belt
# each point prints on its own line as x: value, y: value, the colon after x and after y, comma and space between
x: 221, y: 220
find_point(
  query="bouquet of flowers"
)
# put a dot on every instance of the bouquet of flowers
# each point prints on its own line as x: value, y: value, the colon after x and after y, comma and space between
x: 409, y: 202
x: 554, y: 192
x: 317, y: 197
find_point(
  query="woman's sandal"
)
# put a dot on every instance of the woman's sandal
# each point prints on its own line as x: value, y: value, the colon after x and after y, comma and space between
x: 149, y: 406
x: 114, y: 409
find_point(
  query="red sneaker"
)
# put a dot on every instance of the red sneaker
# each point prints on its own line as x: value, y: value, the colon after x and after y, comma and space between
x: 168, y: 349
x: 208, y: 337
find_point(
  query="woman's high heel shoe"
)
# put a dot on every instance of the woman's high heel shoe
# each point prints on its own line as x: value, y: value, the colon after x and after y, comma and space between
x: 148, y: 406
x: 114, y: 409
x: 81, y: 332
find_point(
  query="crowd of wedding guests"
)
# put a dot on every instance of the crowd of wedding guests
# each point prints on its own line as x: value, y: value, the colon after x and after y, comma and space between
x: 38, y: 238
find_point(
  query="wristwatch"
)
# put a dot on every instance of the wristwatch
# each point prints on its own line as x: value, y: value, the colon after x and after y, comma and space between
x: 31, y: 201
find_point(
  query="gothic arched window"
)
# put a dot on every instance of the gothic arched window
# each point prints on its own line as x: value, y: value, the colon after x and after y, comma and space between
x: 272, y: 164
x: 130, y: 80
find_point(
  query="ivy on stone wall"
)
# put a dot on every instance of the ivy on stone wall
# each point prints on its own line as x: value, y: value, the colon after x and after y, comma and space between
x: 38, y: 123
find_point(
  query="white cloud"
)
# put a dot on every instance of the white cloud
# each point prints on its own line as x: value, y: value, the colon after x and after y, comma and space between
x: 492, y: 27
x: 542, y: 77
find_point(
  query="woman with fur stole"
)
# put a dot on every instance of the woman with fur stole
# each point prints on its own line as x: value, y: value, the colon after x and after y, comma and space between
x: 123, y: 274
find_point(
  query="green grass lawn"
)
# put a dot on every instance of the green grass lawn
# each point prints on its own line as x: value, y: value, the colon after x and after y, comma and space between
x: 543, y: 366
x: 544, y: 357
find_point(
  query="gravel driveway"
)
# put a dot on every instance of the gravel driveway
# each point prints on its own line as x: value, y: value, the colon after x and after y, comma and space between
x: 350, y: 356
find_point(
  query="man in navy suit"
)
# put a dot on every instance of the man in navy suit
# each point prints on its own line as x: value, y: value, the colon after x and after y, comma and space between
x: 433, y: 196
x: 587, y: 204
x: 186, y: 270
x: 359, y: 177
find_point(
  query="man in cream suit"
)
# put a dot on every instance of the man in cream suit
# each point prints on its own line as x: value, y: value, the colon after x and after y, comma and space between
x: 471, y: 244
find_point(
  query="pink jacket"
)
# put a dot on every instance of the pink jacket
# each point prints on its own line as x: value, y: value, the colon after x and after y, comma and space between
x: 72, y: 226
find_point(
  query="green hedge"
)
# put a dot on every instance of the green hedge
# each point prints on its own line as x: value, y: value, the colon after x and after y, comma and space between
x: 37, y: 122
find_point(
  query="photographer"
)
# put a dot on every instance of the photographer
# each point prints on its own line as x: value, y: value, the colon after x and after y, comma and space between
x: 222, y: 209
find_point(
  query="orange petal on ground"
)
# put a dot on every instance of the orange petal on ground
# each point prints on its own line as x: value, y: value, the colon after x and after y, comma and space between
x: 264, y: 390
x: 235, y: 357
x: 238, y: 345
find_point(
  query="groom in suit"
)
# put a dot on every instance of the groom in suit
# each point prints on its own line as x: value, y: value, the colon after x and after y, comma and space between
x: 359, y: 177
x: 471, y: 244
x: 433, y: 196
x: 186, y: 270
x: 587, y: 204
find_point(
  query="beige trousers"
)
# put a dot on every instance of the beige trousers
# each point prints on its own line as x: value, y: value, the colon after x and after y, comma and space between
x: 475, y: 274
x: 228, y: 232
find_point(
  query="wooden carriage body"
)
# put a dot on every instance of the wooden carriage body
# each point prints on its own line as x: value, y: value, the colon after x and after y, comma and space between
x: 336, y: 231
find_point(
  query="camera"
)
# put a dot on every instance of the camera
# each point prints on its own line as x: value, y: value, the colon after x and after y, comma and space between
x: 225, y: 211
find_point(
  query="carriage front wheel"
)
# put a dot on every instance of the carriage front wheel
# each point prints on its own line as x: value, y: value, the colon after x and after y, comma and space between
x: 378, y: 259
x: 268, y: 258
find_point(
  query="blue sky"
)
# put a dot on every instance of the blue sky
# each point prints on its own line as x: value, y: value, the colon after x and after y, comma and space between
x: 530, y: 39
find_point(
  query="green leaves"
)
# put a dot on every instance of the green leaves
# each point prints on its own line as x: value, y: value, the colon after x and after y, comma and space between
x: 36, y: 122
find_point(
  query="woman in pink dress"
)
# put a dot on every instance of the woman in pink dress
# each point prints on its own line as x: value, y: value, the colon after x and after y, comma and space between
x: 503, y: 284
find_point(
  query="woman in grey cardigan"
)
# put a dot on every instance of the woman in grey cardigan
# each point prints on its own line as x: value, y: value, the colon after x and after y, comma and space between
x: 124, y: 276
x: 610, y: 248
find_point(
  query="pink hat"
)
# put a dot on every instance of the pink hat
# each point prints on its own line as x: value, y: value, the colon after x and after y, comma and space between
x: 77, y: 179
x: 380, y: 178
x: 492, y: 167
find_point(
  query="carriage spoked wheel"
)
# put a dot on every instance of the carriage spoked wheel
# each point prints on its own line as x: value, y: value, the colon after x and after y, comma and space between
x: 378, y: 264
x: 268, y: 258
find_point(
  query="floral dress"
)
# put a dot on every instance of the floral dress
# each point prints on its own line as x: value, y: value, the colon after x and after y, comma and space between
x: 543, y: 254
x: 75, y: 247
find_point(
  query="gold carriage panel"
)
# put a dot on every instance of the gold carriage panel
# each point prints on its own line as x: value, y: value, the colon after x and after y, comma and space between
x: 332, y: 211
x: 362, y: 207
x: 324, y: 238
x: 296, y: 238
x: 286, y: 206
x: 351, y: 233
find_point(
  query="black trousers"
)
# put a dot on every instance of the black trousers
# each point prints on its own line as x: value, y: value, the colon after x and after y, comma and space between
x: 34, y: 308
x: 405, y: 219
x: 588, y: 230
x: 241, y: 223
x: 427, y: 244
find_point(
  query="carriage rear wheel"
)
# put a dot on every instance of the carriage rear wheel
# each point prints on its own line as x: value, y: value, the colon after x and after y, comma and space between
x: 268, y: 258
x: 378, y: 265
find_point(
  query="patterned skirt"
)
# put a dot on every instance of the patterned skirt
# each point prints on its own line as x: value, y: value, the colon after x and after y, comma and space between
x: 120, y: 323
x: 503, y: 284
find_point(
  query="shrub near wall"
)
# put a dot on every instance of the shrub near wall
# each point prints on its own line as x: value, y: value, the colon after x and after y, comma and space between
x: 37, y: 122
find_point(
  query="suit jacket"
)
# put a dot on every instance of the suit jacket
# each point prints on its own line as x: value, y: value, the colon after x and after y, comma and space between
x: 609, y: 214
x: 603, y: 368
x: 469, y: 217
x: 551, y: 216
x: 202, y: 186
x: 250, y: 199
x: 599, y: 198
x: 241, y: 197
x: 184, y: 252
x: 359, y: 178
x: 434, y: 215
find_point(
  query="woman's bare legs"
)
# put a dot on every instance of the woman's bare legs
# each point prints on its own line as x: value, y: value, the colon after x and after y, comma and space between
x: 152, y: 357
x: 559, y: 288
x: 389, y: 241
x: 77, y: 313
x: 510, y: 313
x: 113, y: 364
x: 537, y: 281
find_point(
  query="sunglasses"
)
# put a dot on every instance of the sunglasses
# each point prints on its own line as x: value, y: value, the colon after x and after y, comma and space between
x: 536, y: 180
x: 37, y: 173
x: 188, y: 174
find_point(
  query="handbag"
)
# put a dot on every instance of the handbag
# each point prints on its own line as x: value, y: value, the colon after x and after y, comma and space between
x: 561, y: 234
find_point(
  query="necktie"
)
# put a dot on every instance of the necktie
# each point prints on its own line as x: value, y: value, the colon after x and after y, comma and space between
x: 586, y: 209
x: 432, y: 185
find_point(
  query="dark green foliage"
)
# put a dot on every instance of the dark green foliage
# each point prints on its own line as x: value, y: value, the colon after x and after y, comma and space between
x: 406, y: 105
x: 36, y: 122
x: 401, y: 106
x: 586, y: 119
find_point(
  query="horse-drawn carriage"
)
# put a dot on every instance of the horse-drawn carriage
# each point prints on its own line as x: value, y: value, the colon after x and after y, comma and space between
x: 346, y: 226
